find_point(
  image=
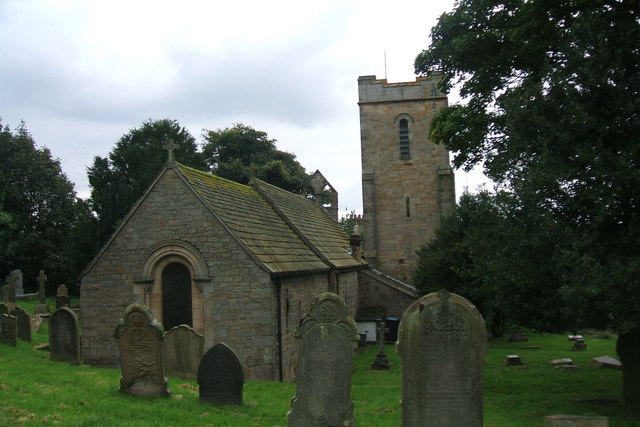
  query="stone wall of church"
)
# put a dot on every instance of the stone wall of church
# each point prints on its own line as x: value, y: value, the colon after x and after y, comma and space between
x: 374, y: 293
x: 238, y: 298
x: 296, y: 295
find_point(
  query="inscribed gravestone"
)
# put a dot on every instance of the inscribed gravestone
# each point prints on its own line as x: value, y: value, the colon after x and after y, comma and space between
x: 64, y: 336
x: 326, y: 340
x: 139, y: 338
x: 23, y: 321
x: 442, y: 341
x: 8, y: 329
x: 220, y: 377
x: 62, y: 297
x: 183, y: 348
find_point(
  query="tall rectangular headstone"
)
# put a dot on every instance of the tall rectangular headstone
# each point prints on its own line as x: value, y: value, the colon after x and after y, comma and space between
x: 183, y: 348
x: 9, y: 294
x: 8, y: 330
x: 23, y: 322
x: 442, y: 342
x: 62, y: 297
x: 18, y: 282
x: 139, y: 338
x: 326, y: 339
x: 64, y: 336
x: 220, y: 377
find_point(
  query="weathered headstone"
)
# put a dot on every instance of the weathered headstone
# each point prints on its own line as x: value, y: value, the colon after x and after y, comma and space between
x: 23, y: 322
x: 607, y: 362
x: 575, y: 421
x: 62, y: 297
x: 519, y: 336
x: 220, y: 377
x: 442, y: 341
x: 9, y: 295
x: 8, y: 330
x: 42, y: 306
x: 579, y: 345
x: 64, y: 336
x: 513, y: 360
x: 18, y: 283
x: 139, y: 338
x: 381, y: 362
x: 183, y: 348
x: 326, y: 340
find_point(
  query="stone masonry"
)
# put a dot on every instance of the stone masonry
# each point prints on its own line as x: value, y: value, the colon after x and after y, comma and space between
x: 404, y: 196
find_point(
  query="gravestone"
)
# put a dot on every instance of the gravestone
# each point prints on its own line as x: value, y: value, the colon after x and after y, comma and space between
x: 607, y: 362
x: 62, y: 297
x: 23, y: 323
x: 183, y: 348
x: 9, y: 294
x: 381, y: 362
x: 42, y: 306
x: 18, y: 283
x: 513, y: 360
x: 8, y: 330
x: 326, y: 339
x: 579, y: 345
x: 519, y: 336
x: 442, y: 342
x: 64, y: 336
x: 139, y: 338
x: 575, y: 421
x: 220, y: 377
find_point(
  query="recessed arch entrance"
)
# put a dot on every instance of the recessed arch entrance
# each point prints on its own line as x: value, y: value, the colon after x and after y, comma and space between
x: 171, y: 280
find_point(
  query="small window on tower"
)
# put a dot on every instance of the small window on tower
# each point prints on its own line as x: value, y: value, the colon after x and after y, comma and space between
x: 407, y: 203
x: 404, y: 139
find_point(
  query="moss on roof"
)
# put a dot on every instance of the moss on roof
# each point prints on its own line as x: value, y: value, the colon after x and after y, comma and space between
x: 280, y: 243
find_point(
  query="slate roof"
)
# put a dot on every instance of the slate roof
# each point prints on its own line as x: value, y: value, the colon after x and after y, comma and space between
x: 284, y: 232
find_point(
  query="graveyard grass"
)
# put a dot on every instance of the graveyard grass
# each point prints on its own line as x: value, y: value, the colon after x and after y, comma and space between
x: 36, y: 391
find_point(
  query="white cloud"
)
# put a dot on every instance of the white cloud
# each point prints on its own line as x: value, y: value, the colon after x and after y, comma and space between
x: 82, y: 74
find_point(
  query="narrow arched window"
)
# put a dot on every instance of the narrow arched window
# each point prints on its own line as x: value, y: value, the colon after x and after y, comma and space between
x: 407, y: 205
x: 404, y: 139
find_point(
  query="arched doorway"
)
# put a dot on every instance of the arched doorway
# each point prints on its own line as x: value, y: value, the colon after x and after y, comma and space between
x: 176, y: 296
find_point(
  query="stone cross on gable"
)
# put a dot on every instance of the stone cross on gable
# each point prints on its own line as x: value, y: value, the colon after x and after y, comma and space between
x: 170, y: 145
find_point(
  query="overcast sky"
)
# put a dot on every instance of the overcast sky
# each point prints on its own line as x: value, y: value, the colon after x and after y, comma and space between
x: 83, y: 73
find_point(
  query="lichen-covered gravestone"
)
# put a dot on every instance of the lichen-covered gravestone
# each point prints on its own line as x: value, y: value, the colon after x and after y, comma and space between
x: 23, y: 321
x: 8, y: 330
x: 183, y: 348
x: 139, y: 338
x: 64, y: 336
x: 220, y: 377
x: 326, y: 340
x: 442, y: 341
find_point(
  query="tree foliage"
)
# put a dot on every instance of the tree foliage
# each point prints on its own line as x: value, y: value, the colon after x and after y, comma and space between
x: 38, y: 212
x: 240, y: 152
x: 120, y: 179
x: 551, y: 111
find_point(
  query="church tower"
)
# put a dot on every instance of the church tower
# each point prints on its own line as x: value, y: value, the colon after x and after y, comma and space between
x: 407, y: 181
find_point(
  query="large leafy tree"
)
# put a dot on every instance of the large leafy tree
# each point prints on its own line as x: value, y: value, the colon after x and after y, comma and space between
x: 241, y: 152
x: 551, y: 109
x: 38, y: 212
x: 120, y: 179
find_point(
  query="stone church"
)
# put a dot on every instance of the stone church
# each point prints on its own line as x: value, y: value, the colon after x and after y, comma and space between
x: 240, y: 263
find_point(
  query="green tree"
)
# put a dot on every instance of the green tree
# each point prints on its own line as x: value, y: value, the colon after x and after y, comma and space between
x: 37, y: 205
x: 240, y: 152
x: 120, y: 179
x: 551, y: 109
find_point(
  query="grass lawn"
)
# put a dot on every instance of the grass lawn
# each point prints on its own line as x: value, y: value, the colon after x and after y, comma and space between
x: 36, y: 391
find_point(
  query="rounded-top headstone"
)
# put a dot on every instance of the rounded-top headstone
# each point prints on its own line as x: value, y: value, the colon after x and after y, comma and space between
x: 139, y: 338
x: 442, y: 341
